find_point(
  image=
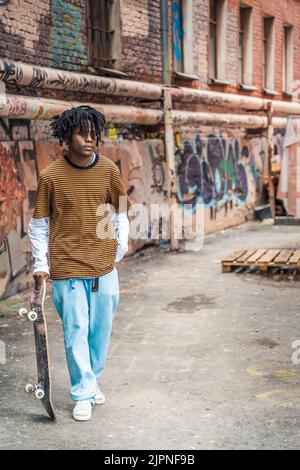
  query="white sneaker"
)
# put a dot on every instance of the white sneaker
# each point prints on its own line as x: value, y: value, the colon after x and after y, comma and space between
x: 82, y: 410
x: 99, y: 398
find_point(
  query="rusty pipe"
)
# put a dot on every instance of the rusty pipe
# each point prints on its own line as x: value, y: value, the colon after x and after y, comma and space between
x: 230, y: 100
x: 218, y: 119
x: 45, y: 77
x: 24, y: 107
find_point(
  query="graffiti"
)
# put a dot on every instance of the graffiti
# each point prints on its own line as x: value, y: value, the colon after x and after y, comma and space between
x: 21, y: 159
x: 211, y: 171
x: 177, y: 30
x: 12, y: 190
x: 9, y: 72
x: 17, y: 107
x: 15, y: 129
x: 38, y: 78
x: 257, y: 148
x: 158, y: 171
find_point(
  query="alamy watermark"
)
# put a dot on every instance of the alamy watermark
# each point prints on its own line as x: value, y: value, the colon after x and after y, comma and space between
x: 296, y: 353
x: 2, y: 353
x: 156, y: 222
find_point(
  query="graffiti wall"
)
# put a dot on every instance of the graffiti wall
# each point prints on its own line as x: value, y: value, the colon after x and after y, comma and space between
x: 24, y: 152
x: 222, y: 172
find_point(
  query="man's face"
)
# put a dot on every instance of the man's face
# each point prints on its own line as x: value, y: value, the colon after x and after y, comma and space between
x: 83, y: 145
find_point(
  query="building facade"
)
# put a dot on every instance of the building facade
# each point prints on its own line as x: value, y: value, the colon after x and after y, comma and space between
x: 194, y: 92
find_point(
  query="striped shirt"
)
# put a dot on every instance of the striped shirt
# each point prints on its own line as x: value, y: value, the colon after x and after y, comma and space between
x: 70, y: 195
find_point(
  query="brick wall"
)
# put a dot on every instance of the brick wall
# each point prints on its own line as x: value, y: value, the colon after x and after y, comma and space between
x: 25, y: 31
x: 141, y: 39
x: 284, y: 11
x: 54, y: 33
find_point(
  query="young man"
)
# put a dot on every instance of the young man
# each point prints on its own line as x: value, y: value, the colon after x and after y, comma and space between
x: 85, y: 287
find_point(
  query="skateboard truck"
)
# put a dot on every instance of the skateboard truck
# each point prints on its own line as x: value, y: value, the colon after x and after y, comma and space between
x: 31, y: 315
x: 36, y: 389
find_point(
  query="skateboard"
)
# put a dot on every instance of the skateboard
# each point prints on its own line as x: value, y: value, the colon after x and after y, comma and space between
x: 42, y: 389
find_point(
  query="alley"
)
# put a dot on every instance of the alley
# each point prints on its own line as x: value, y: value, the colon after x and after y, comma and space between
x: 198, y: 359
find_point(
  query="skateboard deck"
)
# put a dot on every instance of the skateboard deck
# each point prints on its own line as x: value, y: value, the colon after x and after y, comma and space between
x: 42, y: 389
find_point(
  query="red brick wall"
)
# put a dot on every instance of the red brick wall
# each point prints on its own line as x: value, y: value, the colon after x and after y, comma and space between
x: 141, y: 39
x: 25, y: 31
x: 284, y: 11
x: 30, y: 31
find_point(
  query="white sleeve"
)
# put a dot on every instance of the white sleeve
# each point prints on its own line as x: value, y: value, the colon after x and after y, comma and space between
x: 122, y: 230
x: 38, y: 232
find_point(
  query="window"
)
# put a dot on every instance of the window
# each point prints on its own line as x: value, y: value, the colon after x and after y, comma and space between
x: 217, y: 39
x: 245, y: 48
x: 268, y: 54
x: 182, y: 25
x: 288, y: 71
x: 104, y: 34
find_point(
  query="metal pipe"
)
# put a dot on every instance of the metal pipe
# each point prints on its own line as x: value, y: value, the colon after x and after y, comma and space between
x: 170, y: 156
x: 45, y: 77
x: 24, y: 107
x: 165, y: 42
x: 270, y: 135
x: 218, y: 119
x: 230, y: 100
x: 51, y: 78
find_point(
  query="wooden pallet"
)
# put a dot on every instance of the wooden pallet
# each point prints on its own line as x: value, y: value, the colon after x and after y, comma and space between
x: 263, y: 260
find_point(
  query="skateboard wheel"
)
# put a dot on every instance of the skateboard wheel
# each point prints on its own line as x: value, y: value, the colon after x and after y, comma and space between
x: 29, y: 388
x: 23, y: 312
x: 39, y: 394
x: 32, y: 315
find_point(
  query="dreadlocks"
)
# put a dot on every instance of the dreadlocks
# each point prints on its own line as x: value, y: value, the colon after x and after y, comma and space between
x: 82, y: 117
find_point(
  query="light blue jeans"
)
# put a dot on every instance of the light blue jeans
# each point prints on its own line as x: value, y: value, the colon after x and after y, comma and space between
x: 87, y: 319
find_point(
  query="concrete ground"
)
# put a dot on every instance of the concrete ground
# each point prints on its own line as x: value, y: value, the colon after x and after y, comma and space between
x: 198, y: 359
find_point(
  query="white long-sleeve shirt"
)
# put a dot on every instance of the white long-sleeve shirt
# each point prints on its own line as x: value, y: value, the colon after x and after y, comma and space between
x: 38, y: 232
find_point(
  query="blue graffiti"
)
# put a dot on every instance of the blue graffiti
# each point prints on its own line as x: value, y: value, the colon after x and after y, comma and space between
x: 210, y: 172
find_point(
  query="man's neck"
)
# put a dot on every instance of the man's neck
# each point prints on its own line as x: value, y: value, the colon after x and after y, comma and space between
x: 79, y: 160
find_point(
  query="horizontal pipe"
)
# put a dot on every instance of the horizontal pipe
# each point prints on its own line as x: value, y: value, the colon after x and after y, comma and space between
x: 231, y: 120
x: 45, y: 77
x: 231, y: 100
x: 25, y: 107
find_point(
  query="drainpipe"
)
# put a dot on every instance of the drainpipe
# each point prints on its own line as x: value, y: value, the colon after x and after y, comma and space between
x: 170, y: 155
x: 270, y: 132
x: 165, y: 42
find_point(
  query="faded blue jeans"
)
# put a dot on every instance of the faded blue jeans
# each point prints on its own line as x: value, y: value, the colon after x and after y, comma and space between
x: 87, y: 319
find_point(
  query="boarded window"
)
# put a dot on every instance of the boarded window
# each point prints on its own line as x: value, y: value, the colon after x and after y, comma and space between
x: 103, y: 32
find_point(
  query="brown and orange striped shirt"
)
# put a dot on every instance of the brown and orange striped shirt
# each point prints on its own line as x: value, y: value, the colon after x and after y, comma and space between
x: 70, y: 195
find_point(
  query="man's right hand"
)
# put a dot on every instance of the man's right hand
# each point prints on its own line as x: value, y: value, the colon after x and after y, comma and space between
x: 38, y: 277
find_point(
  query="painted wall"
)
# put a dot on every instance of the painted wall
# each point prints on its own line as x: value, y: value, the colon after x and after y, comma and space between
x: 223, y: 172
x: 25, y: 151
